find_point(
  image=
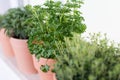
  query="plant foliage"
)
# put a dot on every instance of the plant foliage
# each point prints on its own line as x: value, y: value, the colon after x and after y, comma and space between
x: 1, y: 19
x: 16, y: 22
x: 53, y: 21
x: 97, y: 59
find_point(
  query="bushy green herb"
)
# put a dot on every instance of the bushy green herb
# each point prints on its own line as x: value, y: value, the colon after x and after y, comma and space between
x: 17, y: 22
x: 97, y: 59
x: 45, y: 68
x: 53, y: 21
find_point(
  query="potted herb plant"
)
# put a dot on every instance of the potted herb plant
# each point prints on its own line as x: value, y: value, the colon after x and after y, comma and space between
x: 35, y: 45
x: 53, y: 22
x: 95, y: 59
x: 16, y: 27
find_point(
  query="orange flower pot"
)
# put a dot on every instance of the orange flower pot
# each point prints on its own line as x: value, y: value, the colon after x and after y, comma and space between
x: 5, y: 44
x: 45, y: 75
x: 23, y: 56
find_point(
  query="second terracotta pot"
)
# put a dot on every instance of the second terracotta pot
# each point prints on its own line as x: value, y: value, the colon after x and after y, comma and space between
x: 45, y: 75
x: 5, y: 44
x: 23, y: 56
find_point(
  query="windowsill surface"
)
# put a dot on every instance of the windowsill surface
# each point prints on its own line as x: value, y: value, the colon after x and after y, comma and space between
x: 9, y: 70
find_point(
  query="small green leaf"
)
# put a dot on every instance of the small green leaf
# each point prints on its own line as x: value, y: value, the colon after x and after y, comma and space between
x: 44, y: 68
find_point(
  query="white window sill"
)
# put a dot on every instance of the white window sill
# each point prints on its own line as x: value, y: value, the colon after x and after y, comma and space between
x: 9, y: 70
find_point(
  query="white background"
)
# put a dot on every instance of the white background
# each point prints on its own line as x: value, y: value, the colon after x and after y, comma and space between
x: 100, y: 16
x: 103, y: 16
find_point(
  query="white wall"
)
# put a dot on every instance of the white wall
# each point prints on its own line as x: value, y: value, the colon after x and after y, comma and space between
x: 4, y: 5
x: 103, y: 16
x: 13, y: 3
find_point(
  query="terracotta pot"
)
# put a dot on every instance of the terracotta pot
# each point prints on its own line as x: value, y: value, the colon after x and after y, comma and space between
x: 5, y: 44
x: 45, y: 75
x: 23, y: 56
x: 35, y: 62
